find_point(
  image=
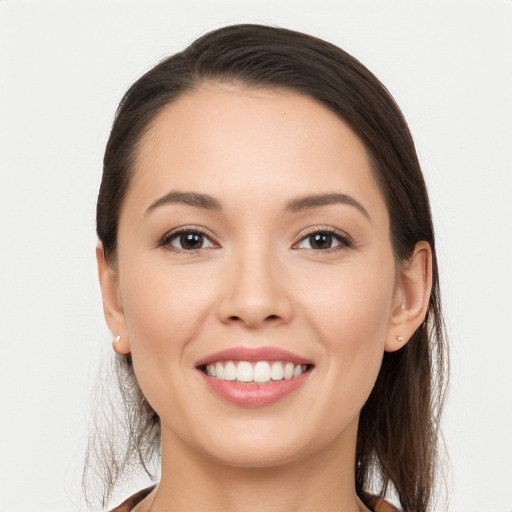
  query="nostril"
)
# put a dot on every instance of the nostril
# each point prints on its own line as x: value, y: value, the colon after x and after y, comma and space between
x: 269, y: 317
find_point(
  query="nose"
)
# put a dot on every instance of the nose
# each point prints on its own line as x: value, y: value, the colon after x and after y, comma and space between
x: 255, y: 292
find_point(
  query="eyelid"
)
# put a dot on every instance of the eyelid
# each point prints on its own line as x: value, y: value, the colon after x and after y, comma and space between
x: 164, y: 241
x: 345, y: 240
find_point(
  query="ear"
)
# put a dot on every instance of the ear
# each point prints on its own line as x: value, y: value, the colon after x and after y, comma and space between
x: 412, y: 295
x: 112, y: 306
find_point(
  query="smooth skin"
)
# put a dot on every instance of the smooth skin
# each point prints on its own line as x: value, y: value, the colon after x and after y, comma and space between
x: 256, y: 276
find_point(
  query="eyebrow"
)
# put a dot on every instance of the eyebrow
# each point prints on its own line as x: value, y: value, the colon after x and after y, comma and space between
x: 293, y: 206
x: 190, y: 198
x: 317, y: 200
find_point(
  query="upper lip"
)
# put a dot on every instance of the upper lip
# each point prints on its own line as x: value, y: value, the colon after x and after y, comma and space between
x: 253, y: 354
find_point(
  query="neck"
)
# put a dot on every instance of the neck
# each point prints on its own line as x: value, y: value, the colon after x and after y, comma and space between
x: 322, y: 481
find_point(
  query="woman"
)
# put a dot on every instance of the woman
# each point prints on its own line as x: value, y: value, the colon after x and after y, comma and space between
x: 268, y: 272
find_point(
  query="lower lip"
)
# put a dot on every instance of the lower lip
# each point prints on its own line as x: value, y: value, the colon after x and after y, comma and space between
x: 254, y: 395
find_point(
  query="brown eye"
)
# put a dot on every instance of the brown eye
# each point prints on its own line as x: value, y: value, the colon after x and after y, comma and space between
x: 320, y: 241
x: 191, y: 241
x: 323, y: 241
x: 188, y: 241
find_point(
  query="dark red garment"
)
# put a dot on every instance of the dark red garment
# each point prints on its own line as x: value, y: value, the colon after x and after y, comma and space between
x: 377, y: 504
x: 130, y: 503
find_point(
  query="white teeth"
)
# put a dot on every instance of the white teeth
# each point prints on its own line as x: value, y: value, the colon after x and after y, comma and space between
x: 288, y: 371
x: 259, y: 372
x: 244, y: 372
x: 230, y: 371
x: 297, y: 371
x: 219, y: 370
x: 277, y: 372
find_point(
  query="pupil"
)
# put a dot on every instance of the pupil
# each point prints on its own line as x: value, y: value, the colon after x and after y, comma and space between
x: 191, y: 241
x: 321, y: 240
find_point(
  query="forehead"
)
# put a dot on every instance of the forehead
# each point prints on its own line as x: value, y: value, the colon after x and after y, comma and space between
x: 245, y: 142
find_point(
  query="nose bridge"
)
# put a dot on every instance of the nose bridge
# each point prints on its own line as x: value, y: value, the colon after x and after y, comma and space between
x: 256, y: 293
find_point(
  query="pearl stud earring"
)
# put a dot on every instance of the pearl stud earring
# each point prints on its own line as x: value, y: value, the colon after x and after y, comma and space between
x: 399, y: 339
x: 116, y: 339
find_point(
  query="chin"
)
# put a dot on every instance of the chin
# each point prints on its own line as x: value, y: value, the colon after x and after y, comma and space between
x: 255, y: 457
x: 267, y: 446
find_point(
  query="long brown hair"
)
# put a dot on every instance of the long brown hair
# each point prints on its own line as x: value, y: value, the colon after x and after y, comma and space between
x: 397, y: 444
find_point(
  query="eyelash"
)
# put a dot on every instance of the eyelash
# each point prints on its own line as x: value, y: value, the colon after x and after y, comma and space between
x: 345, y: 241
x: 166, y: 240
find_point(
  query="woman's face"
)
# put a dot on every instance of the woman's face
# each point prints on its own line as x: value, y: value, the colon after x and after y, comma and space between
x: 254, y: 235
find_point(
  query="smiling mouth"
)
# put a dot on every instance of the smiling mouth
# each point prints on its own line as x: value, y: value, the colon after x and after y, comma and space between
x: 257, y: 372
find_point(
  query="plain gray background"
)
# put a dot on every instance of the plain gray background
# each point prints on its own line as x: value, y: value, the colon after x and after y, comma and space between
x: 64, y: 67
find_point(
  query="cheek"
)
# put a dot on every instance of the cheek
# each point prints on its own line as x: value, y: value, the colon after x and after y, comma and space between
x: 162, y: 306
x: 164, y: 312
x: 353, y: 304
x: 351, y: 318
